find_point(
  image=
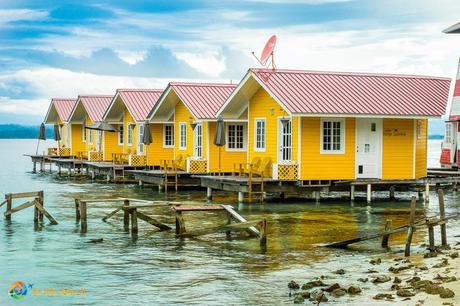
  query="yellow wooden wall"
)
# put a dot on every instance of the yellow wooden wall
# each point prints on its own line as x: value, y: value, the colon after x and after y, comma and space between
x: 398, y: 149
x: 316, y: 166
x: 77, y: 139
x: 156, y: 154
x: 261, y: 105
x: 228, y: 159
x: 128, y: 119
x: 90, y: 146
x: 421, y: 149
x: 182, y: 114
x: 111, y: 144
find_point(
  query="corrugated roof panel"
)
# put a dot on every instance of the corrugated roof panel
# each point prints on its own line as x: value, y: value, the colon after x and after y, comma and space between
x: 95, y: 105
x: 313, y: 92
x: 140, y: 102
x: 63, y: 107
x: 203, y: 99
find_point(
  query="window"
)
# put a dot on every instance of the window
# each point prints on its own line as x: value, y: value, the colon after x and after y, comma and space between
x: 235, y: 137
x: 130, y: 134
x: 259, y: 137
x: 286, y: 140
x: 183, y: 136
x: 90, y: 136
x: 198, y: 141
x: 332, y: 136
x: 140, y: 138
x: 98, y: 140
x: 83, y: 132
x: 120, y: 135
x: 168, y: 135
x: 448, y: 137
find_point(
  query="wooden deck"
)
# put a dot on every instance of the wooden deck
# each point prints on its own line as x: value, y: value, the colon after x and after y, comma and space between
x: 166, y: 179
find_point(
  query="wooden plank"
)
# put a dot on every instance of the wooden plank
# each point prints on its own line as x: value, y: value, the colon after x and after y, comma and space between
x: 134, y: 228
x: 3, y: 203
x: 153, y: 222
x: 110, y: 215
x: 25, y: 195
x: 343, y: 244
x: 442, y: 214
x: 197, y: 207
x: 251, y: 230
x: 126, y: 216
x: 20, y: 207
x: 386, y: 237
x: 236, y: 227
x: 46, y: 213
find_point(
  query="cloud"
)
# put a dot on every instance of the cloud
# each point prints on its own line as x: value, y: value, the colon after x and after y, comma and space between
x: 12, y: 15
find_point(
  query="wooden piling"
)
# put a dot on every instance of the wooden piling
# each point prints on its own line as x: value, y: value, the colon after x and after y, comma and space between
x: 77, y: 210
x: 180, y: 224
x: 427, y: 192
x: 386, y: 237
x: 263, y: 234
x: 392, y: 193
x: 369, y: 193
x: 410, y: 231
x: 442, y: 216
x: 9, y: 205
x: 352, y: 192
x: 34, y: 169
x: 84, y: 222
x: 240, y: 197
x: 36, y: 213
x: 134, y: 227
x: 41, y: 201
x: 431, y: 245
x: 209, y: 193
x: 126, y: 216
x: 228, y: 233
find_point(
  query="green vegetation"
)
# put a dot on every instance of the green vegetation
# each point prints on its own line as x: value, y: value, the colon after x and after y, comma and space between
x: 16, y: 131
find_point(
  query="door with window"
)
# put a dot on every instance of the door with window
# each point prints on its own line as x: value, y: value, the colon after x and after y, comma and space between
x: 368, y: 148
x: 198, y: 141
x: 284, y: 140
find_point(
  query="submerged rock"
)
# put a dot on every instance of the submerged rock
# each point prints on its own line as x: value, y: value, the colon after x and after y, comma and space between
x: 306, y: 286
x: 397, y: 280
x: 318, y: 296
x: 293, y: 285
x: 433, y: 289
x: 423, y: 268
x: 339, y: 271
x: 404, y: 293
x: 372, y: 271
x: 98, y: 240
x: 445, y: 279
x: 298, y: 299
x: 453, y: 255
x: 399, y: 269
x: 376, y: 261
x: 332, y: 287
x: 317, y: 283
x: 381, y: 279
x: 446, y: 293
x: 383, y: 296
x: 354, y: 290
x: 339, y: 292
x: 363, y: 280
x: 421, y: 284
x: 442, y: 264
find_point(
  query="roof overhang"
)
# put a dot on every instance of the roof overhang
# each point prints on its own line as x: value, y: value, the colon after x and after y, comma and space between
x: 78, y: 114
x: 116, y: 109
x: 163, y: 110
x: 383, y: 116
x: 237, y: 102
x: 52, y: 116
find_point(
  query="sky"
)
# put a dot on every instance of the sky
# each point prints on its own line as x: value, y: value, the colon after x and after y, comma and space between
x: 64, y: 48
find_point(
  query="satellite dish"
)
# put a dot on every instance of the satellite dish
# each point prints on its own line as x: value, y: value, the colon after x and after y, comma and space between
x: 268, y: 52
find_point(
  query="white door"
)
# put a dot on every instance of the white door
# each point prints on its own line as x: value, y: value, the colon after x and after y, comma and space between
x: 198, y: 141
x: 368, y: 148
x: 140, y: 138
x: 284, y: 140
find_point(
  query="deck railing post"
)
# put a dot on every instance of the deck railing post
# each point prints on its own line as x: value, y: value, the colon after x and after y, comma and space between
x: 41, y: 201
x: 126, y: 215
x: 442, y: 215
x: 77, y: 210
x: 134, y: 228
x: 83, y: 213
x: 410, y: 231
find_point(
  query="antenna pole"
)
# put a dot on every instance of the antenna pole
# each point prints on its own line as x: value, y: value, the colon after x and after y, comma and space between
x: 273, y: 60
x: 256, y: 58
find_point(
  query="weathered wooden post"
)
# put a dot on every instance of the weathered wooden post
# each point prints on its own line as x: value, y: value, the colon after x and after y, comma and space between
x: 369, y: 193
x: 228, y: 233
x: 410, y: 231
x: 126, y: 215
x: 134, y: 228
x: 392, y: 193
x: 34, y: 169
x: 386, y: 237
x: 180, y: 224
x: 427, y: 192
x: 209, y: 193
x: 263, y: 234
x: 9, y: 205
x: 442, y: 215
x: 84, y: 222
x: 352, y: 192
x: 36, y: 212
x: 41, y: 201
x: 431, y: 245
x: 77, y: 210
x: 240, y: 197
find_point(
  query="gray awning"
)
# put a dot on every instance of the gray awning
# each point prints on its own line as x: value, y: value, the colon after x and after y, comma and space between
x: 101, y: 126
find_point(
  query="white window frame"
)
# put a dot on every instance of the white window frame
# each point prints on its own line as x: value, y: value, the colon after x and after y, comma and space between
x: 171, y: 145
x: 83, y: 134
x: 342, y: 136
x: 448, y: 133
x: 263, y: 136
x: 182, y: 135
x: 129, y: 134
x: 140, y: 135
x: 98, y: 140
x: 227, y: 133
x: 198, y: 141
x: 121, y: 135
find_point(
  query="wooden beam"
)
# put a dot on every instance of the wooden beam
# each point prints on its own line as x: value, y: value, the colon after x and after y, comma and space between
x: 386, y: 237
x: 442, y: 215
x: 19, y: 195
x: 411, y: 229
x: 236, y: 227
x: 126, y: 216
x: 46, y: 213
x: 134, y: 227
x: 110, y: 215
x: 197, y: 207
x: 84, y: 221
x: 20, y: 207
x: 153, y: 222
x: 251, y: 230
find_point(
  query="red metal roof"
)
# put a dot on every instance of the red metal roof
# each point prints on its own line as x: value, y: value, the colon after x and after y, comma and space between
x: 95, y: 106
x: 140, y: 102
x: 63, y: 107
x: 313, y: 92
x: 203, y: 99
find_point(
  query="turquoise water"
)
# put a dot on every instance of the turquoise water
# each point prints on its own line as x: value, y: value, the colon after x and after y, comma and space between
x: 160, y: 269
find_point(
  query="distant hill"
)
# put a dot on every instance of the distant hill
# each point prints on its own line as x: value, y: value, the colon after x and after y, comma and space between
x: 16, y: 131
